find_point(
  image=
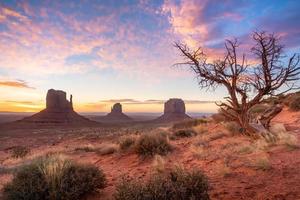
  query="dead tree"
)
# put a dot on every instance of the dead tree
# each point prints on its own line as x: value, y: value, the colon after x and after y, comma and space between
x: 246, y: 84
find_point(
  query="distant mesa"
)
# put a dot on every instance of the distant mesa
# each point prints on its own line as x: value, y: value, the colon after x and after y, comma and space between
x: 58, y: 110
x: 116, y: 115
x: 174, y: 110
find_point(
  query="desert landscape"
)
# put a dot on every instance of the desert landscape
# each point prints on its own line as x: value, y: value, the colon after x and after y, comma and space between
x: 150, y: 100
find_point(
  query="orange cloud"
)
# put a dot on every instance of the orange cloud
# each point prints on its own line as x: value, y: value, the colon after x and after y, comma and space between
x: 18, y: 84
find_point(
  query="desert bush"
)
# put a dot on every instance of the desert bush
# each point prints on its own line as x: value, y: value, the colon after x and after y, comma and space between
x: 126, y: 142
x: 106, y: 149
x: 177, y: 184
x: 294, y: 103
x: 153, y: 143
x: 263, y: 164
x: 258, y: 109
x: 20, y: 151
x: 189, y: 123
x: 54, y: 178
x: 87, y: 148
x: 233, y: 127
x: 218, y: 117
x: 184, y: 133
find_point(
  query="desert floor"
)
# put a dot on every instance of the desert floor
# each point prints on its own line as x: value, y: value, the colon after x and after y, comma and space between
x: 237, y: 167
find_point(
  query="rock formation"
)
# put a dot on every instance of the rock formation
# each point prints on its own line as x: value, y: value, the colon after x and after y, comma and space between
x: 58, y: 110
x: 116, y: 115
x: 174, y: 110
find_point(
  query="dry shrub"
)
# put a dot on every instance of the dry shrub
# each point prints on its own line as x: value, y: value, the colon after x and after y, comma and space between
x: 233, y: 127
x: 246, y: 149
x: 189, y: 123
x: 107, y: 149
x: 184, y: 133
x: 87, y: 148
x: 177, y: 184
x: 294, y: 103
x: 262, y: 163
x: 284, y: 137
x: 200, y: 129
x: 153, y: 143
x: 218, y: 117
x: 126, y: 142
x: 199, y: 152
x: 54, y: 177
x: 259, y: 108
x: 158, y: 164
x: 20, y: 151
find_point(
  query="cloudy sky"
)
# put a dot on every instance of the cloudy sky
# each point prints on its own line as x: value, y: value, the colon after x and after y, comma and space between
x: 108, y: 51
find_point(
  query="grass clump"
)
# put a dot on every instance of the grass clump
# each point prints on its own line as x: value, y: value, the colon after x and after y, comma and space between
x: 294, y: 103
x: 263, y: 164
x: 54, y: 178
x: 189, y: 123
x: 107, y: 149
x: 127, y: 142
x: 153, y: 143
x: 233, y: 127
x: 184, y: 133
x: 177, y: 184
x: 20, y: 152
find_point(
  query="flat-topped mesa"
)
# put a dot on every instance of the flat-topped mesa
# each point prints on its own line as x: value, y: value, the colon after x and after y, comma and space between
x: 56, y: 101
x: 174, y: 106
x: 117, y: 108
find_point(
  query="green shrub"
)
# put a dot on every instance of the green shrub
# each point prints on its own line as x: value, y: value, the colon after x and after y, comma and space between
x: 152, y: 143
x: 177, y: 184
x: 294, y: 103
x: 126, y: 142
x: 54, y: 178
x: 20, y: 152
x: 189, y: 123
x: 185, y: 133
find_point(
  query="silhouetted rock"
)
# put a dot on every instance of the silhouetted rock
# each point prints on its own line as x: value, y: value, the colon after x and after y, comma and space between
x: 174, y: 110
x: 116, y: 115
x: 58, y: 110
x: 56, y: 101
x: 117, y: 108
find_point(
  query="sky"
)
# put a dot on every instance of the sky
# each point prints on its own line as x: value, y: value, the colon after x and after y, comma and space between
x: 104, y: 52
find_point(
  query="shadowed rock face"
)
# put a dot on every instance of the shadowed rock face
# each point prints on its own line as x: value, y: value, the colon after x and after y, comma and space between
x: 117, y: 108
x: 56, y: 101
x: 174, y: 110
x: 174, y: 106
x: 58, y: 110
x: 116, y: 115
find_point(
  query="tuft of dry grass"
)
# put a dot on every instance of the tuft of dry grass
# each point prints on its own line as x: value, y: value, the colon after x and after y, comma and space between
x: 246, y: 149
x: 20, y: 152
x: 127, y: 142
x: 107, y: 149
x: 233, y: 128
x: 158, y: 164
x: 262, y: 163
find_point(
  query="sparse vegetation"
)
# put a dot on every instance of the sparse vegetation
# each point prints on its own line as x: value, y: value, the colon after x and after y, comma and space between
x: 158, y: 164
x: 184, y: 133
x: 20, y: 152
x: 262, y: 164
x: 153, y: 143
x: 245, y: 149
x: 189, y: 123
x: 53, y: 177
x: 294, y: 103
x: 177, y: 184
x: 233, y: 128
x: 107, y: 149
x: 126, y: 142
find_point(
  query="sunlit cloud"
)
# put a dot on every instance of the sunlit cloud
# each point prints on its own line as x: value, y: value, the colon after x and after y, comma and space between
x: 17, y: 84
